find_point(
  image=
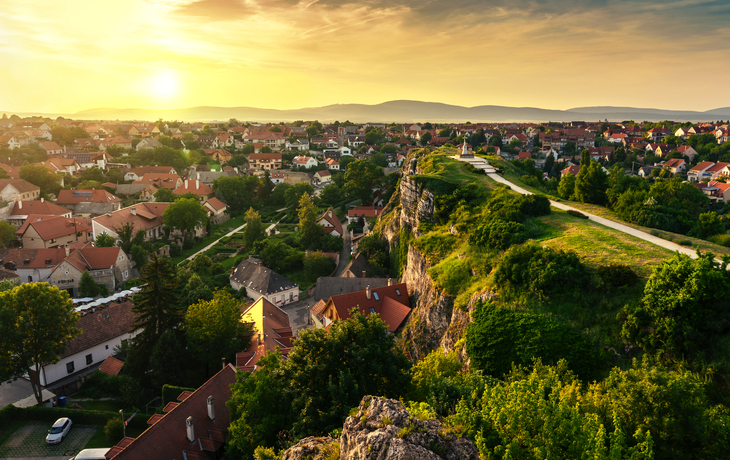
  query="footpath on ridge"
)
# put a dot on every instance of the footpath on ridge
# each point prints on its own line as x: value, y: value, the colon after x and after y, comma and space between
x: 481, y: 163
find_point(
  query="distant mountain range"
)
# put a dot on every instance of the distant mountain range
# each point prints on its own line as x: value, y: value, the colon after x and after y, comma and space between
x: 400, y: 111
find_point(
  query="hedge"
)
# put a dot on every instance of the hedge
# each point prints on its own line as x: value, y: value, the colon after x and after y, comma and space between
x: 171, y: 392
x: 51, y: 414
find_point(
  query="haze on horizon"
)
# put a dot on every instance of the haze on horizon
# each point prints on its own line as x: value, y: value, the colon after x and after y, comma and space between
x: 64, y: 57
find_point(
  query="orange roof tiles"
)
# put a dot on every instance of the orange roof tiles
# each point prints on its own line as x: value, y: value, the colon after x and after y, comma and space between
x: 71, y: 197
x: 391, y: 302
x: 111, y: 366
x: 97, y: 328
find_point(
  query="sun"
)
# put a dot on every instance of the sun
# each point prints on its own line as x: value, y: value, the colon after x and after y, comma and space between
x: 165, y: 85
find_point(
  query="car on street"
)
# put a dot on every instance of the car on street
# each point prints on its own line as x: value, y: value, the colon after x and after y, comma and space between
x: 59, y: 430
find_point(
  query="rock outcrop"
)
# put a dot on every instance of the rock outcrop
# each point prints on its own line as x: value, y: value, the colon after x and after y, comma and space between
x: 382, y: 429
x: 312, y: 448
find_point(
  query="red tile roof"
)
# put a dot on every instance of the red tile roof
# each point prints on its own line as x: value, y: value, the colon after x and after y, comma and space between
x: 702, y: 166
x: 166, y: 439
x: 149, y: 215
x: 276, y: 330
x: 22, y: 208
x: 20, y: 185
x: 71, y: 197
x: 50, y: 227
x: 195, y: 187
x: 392, y: 307
x: 365, y: 211
x: 37, y: 258
x: 97, y: 328
x: 111, y: 365
x: 216, y: 204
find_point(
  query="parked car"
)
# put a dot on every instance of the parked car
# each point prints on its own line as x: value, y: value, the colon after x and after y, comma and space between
x: 92, y: 454
x: 59, y: 430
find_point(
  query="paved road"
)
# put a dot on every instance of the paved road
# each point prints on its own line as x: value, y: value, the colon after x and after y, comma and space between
x: 345, y: 254
x: 480, y: 163
x: 215, y: 242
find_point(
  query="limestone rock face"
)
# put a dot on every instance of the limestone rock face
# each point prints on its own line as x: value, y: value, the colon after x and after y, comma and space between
x: 383, y: 429
x: 311, y: 448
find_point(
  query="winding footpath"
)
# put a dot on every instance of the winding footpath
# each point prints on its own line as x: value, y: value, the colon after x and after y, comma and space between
x: 215, y: 242
x: 480, y: 163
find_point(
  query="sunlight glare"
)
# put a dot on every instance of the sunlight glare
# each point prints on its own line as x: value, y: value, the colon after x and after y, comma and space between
x: 165, y: 85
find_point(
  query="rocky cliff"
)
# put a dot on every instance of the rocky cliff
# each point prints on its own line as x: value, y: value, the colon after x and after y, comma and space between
x: 382, y: 429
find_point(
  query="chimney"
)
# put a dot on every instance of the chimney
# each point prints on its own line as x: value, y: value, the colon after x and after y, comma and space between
x: 211, y: 409
x: 390, y: 281
x: 197, y: 185
x: 330, y: 212
x: 190, y: 430
x: 367, y: 291
x: 20, y: 204
x: 233, y: 270
x: 198, y: 176
x: 365, y: 276
x: 133, y: 211
x: 186, y: 184
x: 42, y: 200
x: 261, y: 264
x: 67, y: 250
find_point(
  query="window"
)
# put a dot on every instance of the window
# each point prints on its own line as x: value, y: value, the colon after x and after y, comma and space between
x: 106, y: 347
x: 70, y: 367
x: 30, y: 279
x: 397, y: 291
x: 89, y: 360
x: 375, y: 294
x: 126, y: 274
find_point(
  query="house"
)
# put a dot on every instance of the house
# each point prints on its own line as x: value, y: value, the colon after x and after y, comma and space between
x: 216, y: 210
x: 522, y: 156
x: 271, y: 330
x: 363, y: 211
x: 86, y: 143
x: 87, y: 160
x: 51, y: 148
x: 698, y: 172
x: 675, y: 165
x: 300, y: 145
x: 687, y: 151
x: 169, y: 181
x: 136, y: 174
x: 264, y: 160
x: 149, y: 143
x: 390, y: 302
x: 142, y: 216
x: 201, y: 190
x: 70, y: 199
x: 224, y: 140
x: 358, y: 267
x: 718, y: 191
x: 716, y: 170
x: 10, y: 141
x: 345, y: 151
x: 304, y: 162
x: 332, y: 164
x: 67, y: 166
x: 273, y: 140
x: 111, y: 366
x: 21, y: 209
x: 277, y: 177
x: 32, y: 265
x: 331, y: 224
x: 259, y: 281
x: 101, y: 332
x: 105, y: 265
x: 645, y: 171
x: 574, y: 170
x: 53, y: 231
x: 116, y: 141
x: 194, y: 427
x: 219, y: 155
x: 323, y: 177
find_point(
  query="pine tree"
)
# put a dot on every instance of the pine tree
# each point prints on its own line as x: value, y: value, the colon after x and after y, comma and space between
x: 88, y: 286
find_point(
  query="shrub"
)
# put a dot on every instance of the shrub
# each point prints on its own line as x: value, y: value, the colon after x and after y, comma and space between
x: 617, y: 275
x: 114, y: 430
x: 577, y: 214
x: 175, y: 250
x: 498, y: 234
x: 722, y: 240
x: 533, y: 205
x: 100, y: 385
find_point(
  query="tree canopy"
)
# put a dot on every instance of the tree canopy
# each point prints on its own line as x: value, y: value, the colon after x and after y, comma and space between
x: 186, y: 215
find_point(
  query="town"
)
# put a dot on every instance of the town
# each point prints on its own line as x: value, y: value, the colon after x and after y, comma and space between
x: 195, y: 265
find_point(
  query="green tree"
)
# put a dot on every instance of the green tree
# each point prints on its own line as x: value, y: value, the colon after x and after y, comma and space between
x: 294, y: 193
x: 238, y: 192
x: 425, y: 139
x: 379, y: 159
x: 7, y: 234
x: 167, y: 363
x: 125, y: 234
x: 708, y: 224
x: 156, y: 305
x: 591, y: 184
x: 165, y: 195
x: 214, y: 329
x: 87, y: 285
x: 566, y: 187
x: 317, y: 264
x: 330, y: 194
x: 104, y: 240
x: 361, y: 178
x: 42, y: 177
x: 309, y: 230
x: 36, y: 322
x: 254, y: 230
x: 186, y: 215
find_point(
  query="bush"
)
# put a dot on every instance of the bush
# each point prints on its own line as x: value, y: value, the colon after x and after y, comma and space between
x: 498, y: 234
x: 577, y: 214
x: 101, y: 385
x: 722, y: 240
x: 175, y: 250
x: 114, y: 430
x: 617, y: 275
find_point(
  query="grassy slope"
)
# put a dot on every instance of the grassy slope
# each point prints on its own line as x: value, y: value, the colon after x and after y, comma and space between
x: 514, y: 175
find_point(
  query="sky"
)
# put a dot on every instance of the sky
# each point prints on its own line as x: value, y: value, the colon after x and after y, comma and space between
x: 64, y: 57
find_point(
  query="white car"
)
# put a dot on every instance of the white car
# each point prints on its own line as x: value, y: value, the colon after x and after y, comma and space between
x: 58, y: 431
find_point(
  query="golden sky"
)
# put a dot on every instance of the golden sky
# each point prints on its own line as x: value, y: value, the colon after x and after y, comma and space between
x: 72, y: 55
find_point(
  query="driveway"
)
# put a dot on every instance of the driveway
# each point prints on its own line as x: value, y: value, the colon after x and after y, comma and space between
x: 29, y: 442
x: 480, y: 163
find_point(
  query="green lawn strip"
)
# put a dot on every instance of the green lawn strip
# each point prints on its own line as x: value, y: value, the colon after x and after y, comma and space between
x: 99, y: 440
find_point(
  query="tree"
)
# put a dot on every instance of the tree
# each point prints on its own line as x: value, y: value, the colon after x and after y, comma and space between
x: 549, y: 163
x: 214, y: 329
x: 156, y: 305
x: 186, y: 215
x: 309, y: 229
x: 87, y: 285
x: 104, y: 240
x: 37, y: 321
x: 168, y: 364
x: 237, y: 192
x: 426, y: 138
x: 330, y: 194
x: 125, y: 234
x: 361, y: 178
x: 165, y: 195
x: 41, y: 176
x: 566, y: 187
x: 254, y: 230
x: 317, y: 264
x: 293, y: 194
x: 4, y: 174
x: 7, y: 234
x: 591, y: 183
